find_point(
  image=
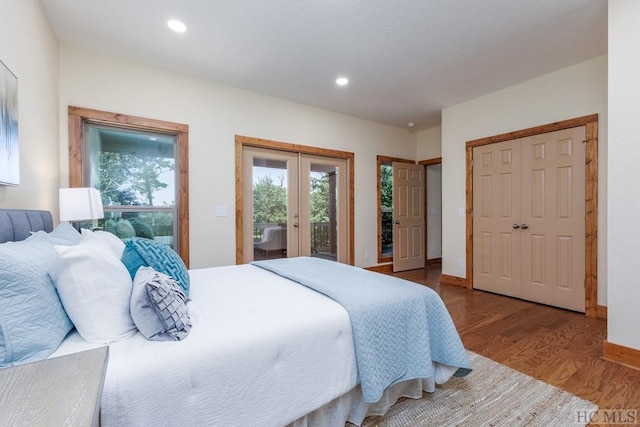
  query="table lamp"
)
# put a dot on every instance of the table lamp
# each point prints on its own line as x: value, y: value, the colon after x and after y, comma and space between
x: 80, y: 205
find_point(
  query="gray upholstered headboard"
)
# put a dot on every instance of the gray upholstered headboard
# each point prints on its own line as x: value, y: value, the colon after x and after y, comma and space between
x: 16, y: 224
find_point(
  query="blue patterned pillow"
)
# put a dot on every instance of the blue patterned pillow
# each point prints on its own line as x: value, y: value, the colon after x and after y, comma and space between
x: 33, y: 322
x: 140, y: 252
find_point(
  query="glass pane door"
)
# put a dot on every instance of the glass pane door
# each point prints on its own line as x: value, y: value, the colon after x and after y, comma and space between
x: 323, y: 208
x: 270, y: 191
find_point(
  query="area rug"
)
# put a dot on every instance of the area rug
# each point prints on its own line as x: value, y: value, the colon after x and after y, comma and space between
x: 492, y: 395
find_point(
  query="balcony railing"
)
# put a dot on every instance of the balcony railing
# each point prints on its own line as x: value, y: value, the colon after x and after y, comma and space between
x: 320, y: 235
x: 387, y: 232
x: 320, y: 241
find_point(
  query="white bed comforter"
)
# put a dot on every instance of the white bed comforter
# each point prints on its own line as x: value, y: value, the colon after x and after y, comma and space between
x: 262, y: 351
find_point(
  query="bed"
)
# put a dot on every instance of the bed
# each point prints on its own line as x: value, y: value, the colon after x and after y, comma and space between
x: 263, y: 350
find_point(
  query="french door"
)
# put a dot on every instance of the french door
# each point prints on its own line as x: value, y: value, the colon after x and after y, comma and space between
x: 294, y: 204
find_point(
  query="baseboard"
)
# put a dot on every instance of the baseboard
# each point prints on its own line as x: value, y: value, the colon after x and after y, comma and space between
x: 434, y: 261
x: 383, y: 268
x: 453, y: 280
x: 601, y: 311
x: 620, y: 354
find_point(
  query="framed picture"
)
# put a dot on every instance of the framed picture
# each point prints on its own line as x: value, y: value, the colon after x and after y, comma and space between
x: 9, y: 153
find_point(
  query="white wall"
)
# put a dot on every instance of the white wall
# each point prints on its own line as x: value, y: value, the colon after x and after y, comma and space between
x: 434, y: 211
x: 215, y: 113
x: 429, y: 146
x: 429, y: 143
x: 29, y: 49
x: 568, y: 93
x: 623, y: 189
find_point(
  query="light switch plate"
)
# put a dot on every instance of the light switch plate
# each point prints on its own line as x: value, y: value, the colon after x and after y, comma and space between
x: 221, y: 210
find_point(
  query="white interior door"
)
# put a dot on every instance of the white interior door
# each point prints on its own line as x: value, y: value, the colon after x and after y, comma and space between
x: 497, y: 218
x: 553, y: 218
x: 408, y: 216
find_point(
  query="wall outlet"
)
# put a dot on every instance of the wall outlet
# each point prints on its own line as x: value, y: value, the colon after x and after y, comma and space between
x: 367, y: 254
x: 461, y: 263
x: 461, y: 211
x: 221, y: 210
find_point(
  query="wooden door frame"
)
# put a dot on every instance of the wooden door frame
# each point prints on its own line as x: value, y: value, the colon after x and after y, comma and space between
x: 242, y: 141
x: 380, y: 160
x: 425, y: 163
x: 388, y: 261
x: 592, y: 309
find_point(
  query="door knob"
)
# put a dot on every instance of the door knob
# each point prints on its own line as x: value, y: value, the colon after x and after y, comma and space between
x: 295, y: 224
x: 524, y: 226
x: 516, y: 226
x: 398, y: 221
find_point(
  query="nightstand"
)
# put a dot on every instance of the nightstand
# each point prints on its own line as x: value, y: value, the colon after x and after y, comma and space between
x: 64, y: 390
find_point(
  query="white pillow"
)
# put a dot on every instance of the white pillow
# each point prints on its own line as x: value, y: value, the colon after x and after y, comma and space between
x: 95, y: 289
x: 114, y: 242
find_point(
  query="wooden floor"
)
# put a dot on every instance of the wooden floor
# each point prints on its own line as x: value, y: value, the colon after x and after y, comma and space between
x: 557, y: 346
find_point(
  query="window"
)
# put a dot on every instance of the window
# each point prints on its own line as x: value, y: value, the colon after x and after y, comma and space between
x: 140, y: 167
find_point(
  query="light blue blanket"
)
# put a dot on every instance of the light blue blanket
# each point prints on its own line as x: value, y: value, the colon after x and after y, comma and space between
x: 399, y: 327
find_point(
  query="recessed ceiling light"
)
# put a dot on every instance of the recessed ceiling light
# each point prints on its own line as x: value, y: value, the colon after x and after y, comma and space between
x: 177, y: 26
x: 342, y: 81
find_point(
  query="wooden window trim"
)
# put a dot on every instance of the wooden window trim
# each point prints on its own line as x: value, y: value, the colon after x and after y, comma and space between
x: 379, y: 161
x: 78, y: 116
x: 591, y: 199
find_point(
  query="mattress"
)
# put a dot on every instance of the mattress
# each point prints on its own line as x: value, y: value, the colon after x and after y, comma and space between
x: 262, y: 351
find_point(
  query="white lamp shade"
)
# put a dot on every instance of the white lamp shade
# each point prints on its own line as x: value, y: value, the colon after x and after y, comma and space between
x: 80, y: 204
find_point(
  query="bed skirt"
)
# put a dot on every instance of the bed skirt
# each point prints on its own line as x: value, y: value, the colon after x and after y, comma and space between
x: 351, y: 406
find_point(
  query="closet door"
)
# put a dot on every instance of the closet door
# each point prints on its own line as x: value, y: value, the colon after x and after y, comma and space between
x: 553, y: 218
x: 496, y: 218
x: 529, y: 218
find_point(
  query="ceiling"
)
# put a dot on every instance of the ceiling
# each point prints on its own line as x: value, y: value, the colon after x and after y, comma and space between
x: 406, y: 59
